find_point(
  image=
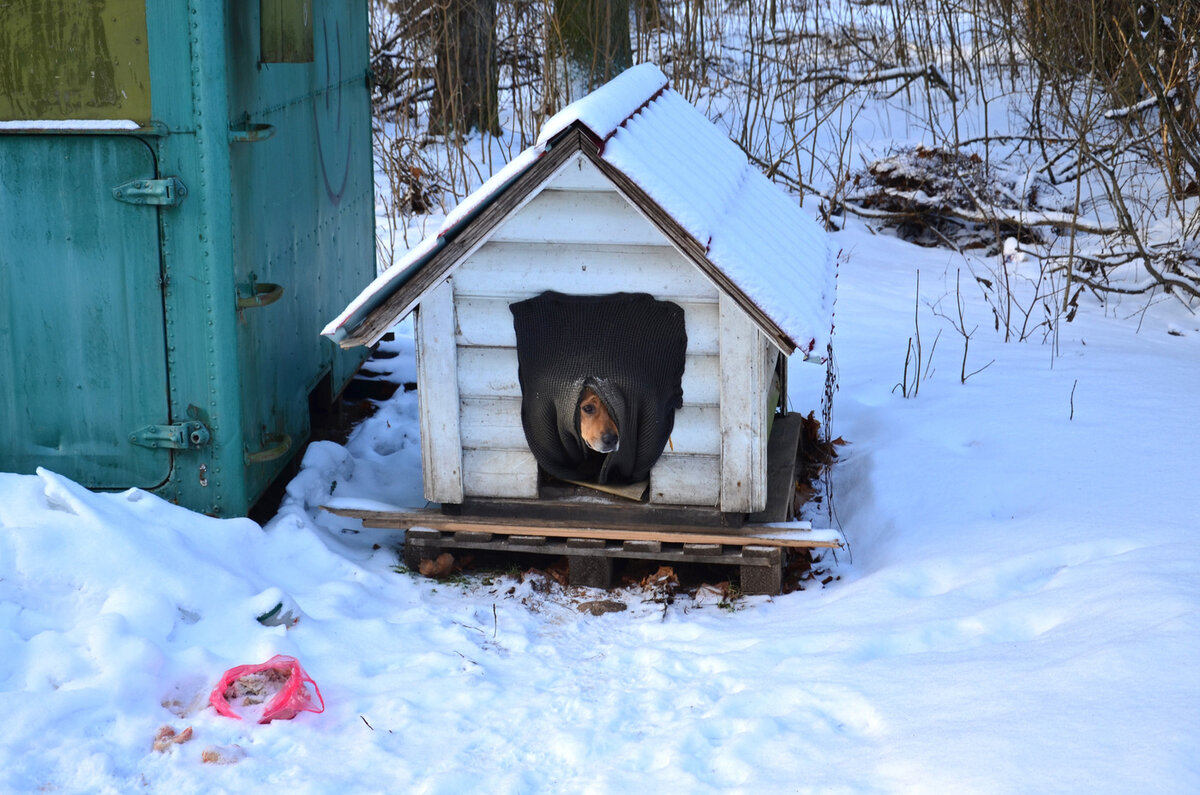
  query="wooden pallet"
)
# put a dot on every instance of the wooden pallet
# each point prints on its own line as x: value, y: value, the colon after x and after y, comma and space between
x: 758, y: 551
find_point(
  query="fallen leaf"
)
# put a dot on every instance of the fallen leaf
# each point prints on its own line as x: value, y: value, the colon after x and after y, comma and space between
x: 663, y: 578
x: 165, y: 737
x: 223, y: 754
x: 439, y: 567
x: 560, y: 571
x: 601, y: 606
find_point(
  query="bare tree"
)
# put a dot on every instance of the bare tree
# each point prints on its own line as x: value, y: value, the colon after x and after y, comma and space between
x: 465, y: 73
x: 593, y: 39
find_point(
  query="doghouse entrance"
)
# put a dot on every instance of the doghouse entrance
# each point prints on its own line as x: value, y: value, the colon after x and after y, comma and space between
x: 601, y: 379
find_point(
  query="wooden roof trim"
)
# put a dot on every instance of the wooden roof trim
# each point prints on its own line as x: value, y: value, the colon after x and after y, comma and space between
x: 462, y: 240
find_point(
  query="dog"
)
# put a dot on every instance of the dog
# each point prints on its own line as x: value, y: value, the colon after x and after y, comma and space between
x: 596, y: 424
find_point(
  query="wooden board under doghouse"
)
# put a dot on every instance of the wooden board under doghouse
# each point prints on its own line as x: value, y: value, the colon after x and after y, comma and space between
x: 759, y: 551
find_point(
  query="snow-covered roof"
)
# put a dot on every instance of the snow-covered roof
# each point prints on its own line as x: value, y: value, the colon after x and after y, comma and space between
x: 760, y: 240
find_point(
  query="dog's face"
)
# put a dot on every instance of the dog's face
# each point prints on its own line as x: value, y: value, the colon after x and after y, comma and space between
x: 596, y: 425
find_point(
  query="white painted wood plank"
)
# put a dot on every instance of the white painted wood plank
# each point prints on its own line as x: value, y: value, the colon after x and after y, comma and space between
x: 743, y: 437
x: 492, y: 372
x: 488, y: 372
x: 499, y: 473
x: 686, y: 480
x: 495, y: 423
x: 437, y: 397
x: 579, y: 217
x: 523, y: 270
x: 487, y: 322
x: 697, y: 431
x: 492, y: 423
x: 580, y: 174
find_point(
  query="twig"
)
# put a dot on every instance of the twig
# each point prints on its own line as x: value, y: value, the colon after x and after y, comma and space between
x: 908, y: 74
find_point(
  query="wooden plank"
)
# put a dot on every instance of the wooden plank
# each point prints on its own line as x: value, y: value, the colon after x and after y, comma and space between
x: 782, y: 448
x: 488, y: 372
x: 422, y: 534
x: 697, y: 431
x: 595, y: 508
x: 437, y: 365
x: 522, y: 270
x: 499, y: 473
x: 743, y: 422
x: 495, y: 422
x: 439, y: 522
x: 627, y: 491
x: 586, y: 542
x: 492, y: 372
x: 576, y: 217
x: 686, y: 480
x: 486, y: 321
x: 677, y: 553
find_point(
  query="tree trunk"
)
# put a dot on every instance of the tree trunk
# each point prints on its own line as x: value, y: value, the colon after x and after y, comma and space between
x: 593, y: 36
x: 465, y: 74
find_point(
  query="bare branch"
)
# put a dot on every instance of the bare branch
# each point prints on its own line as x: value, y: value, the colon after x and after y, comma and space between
x: 990, y: 215
x: 834, y: 77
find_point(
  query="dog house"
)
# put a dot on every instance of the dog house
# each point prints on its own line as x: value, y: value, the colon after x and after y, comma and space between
x: 629, y: 190
x: 185, y: 198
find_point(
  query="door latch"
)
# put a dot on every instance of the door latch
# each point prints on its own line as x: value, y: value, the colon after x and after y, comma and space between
x: 167, y: 191
x: 180, y: 436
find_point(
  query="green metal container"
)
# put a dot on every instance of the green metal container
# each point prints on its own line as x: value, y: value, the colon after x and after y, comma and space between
x: 185, y: 198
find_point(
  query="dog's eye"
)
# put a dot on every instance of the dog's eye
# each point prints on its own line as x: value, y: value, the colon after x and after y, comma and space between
x: 588, y: 409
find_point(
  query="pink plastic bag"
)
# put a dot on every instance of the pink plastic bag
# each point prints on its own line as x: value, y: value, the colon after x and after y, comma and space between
x: 279, y: 684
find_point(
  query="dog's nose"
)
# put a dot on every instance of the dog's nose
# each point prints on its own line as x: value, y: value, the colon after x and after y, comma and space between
x: 609, y: 441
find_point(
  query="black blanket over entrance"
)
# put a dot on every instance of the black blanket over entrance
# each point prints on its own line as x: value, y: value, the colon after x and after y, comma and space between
x: 629, y: 347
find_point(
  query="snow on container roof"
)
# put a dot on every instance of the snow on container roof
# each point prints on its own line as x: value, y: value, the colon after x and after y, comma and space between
x: 751, y: 231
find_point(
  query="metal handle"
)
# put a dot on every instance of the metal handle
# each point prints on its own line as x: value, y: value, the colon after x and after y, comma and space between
x: 277, y: 445
x: 251, y: 133
x: 264, y: 293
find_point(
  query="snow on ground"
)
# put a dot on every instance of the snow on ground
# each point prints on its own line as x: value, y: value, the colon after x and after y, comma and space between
x: 1021, y: 612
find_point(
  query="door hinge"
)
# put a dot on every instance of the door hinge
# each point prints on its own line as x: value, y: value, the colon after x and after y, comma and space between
x: 180, y: 436
x: 167, y: 191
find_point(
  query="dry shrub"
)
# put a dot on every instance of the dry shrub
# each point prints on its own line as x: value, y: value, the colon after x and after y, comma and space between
x: 920, y: 191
